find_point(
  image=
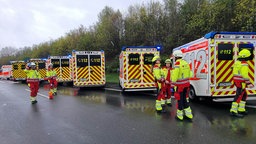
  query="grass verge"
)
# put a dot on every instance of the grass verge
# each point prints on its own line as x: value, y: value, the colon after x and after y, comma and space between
x: 112, y: 78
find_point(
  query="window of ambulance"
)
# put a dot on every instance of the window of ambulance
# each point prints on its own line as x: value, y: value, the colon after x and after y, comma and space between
x: 82, y: 60
x: 225, y: 51
x: 148, y: 58
x: 41, y: 65
x: 64, y: 62
x: 23, y: 66
x: 55, y: 62
x: 249, y: 47
x: 134, y: 59
x: 15, y: 67
x: 95, y: 60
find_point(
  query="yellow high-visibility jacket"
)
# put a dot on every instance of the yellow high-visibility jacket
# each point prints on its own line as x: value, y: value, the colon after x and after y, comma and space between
x: 181, y: 73
x: 32, y: 75
x: 240, y: 72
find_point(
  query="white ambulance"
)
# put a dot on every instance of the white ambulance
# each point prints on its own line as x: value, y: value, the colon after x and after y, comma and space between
x: 6, y: 72
x: 135, y: 68
x: 211, y: 59
x: 88, y: 68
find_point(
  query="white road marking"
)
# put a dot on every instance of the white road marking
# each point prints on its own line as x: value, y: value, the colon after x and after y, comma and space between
x: 42, y: 95
x: 251, y: 106
x: 112, y: 89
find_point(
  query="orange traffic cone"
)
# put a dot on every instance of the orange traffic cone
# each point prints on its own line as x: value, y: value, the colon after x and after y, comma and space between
x: 50, y: 95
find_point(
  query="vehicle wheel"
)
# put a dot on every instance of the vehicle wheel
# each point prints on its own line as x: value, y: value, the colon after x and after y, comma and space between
x: 192, y: 94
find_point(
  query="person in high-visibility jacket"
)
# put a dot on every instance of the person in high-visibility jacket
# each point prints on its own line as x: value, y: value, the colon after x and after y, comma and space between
x: 33, y: 79
x: 241, y: 81
x: 166, y: 72
x: 159, y: 79
x: 51, y: 76
x: 180, y: 78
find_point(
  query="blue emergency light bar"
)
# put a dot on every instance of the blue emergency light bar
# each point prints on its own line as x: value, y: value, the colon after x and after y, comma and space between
x: 212, y: 34
x: 158, y: 47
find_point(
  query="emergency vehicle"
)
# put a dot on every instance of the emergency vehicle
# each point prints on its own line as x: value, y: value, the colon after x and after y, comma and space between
x: 61, y: 64
x: 135, y: 68
x: 211, y: 59
x: 6, y: 72
x: 18, y: 68
x: 40, y: 66
x: 88, y: 68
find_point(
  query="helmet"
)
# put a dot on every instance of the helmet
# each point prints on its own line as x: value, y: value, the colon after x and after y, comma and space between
x: 155, y: 58
x: 28, y: 64
x: 244, y: 53
x: 168, y: 61
x: 178, y: 53
x: 32, y: 64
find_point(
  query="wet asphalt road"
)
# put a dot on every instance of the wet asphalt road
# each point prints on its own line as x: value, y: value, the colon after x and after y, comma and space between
x: 97, y: 116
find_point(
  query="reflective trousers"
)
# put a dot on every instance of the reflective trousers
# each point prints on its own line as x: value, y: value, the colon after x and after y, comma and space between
x: 181, y: 97
x: 34, y: 87
x: 241, y: 93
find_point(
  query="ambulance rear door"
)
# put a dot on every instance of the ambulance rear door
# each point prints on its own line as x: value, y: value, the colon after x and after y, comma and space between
x: 55, y: 60
x: 89, y: 68
x: 18, y: 68
x: 138, y: 68
x: 227, y: 47
x: 65, y: 72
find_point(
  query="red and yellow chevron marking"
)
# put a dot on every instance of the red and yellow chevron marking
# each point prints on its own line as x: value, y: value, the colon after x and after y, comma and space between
x: 134, y: 72
x: 73, y: 67
x: 42, y: 72
x: 83, y: 73
x: 125, y: 65
x: 95, y: 74
x: 65, y: 71
x: 148, y: 77
x: 57, y: 69
x: 138, y: 85
x: 89, y: 84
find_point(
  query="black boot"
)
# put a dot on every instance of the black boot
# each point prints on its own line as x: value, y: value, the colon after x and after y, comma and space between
x: 34, y: 102
x: 236, y: 115
x: 243, y: 113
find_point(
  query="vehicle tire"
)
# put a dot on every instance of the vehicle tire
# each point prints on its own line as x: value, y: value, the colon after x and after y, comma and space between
x: 192, y: 94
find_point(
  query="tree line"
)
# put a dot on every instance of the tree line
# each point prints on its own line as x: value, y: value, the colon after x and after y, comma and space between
x: 169, y: 23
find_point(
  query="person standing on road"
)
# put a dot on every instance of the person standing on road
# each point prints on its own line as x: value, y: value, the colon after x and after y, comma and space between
x: 166, y: 71
x: 33, y: 78
x: 51, y: 76
x: 159, y: 79
x: 180, y: 78
x: 241, y: 81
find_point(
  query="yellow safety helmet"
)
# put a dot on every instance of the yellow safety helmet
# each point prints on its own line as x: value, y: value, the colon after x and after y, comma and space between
x: 168, y: 61
x: 178, y: 53
x: 244, y: 53
x: 155, y: 58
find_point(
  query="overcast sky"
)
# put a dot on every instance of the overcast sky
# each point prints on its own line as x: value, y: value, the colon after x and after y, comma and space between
x: 27, y: 22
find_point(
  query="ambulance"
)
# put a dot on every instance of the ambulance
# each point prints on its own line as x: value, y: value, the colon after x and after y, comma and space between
x: 18, y: 73
x: 211, y: 59
x: 6, y: 72
x: 135, y: 68
x: 41, y: 66
x: 61, y: 64
x: 88, y: 68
